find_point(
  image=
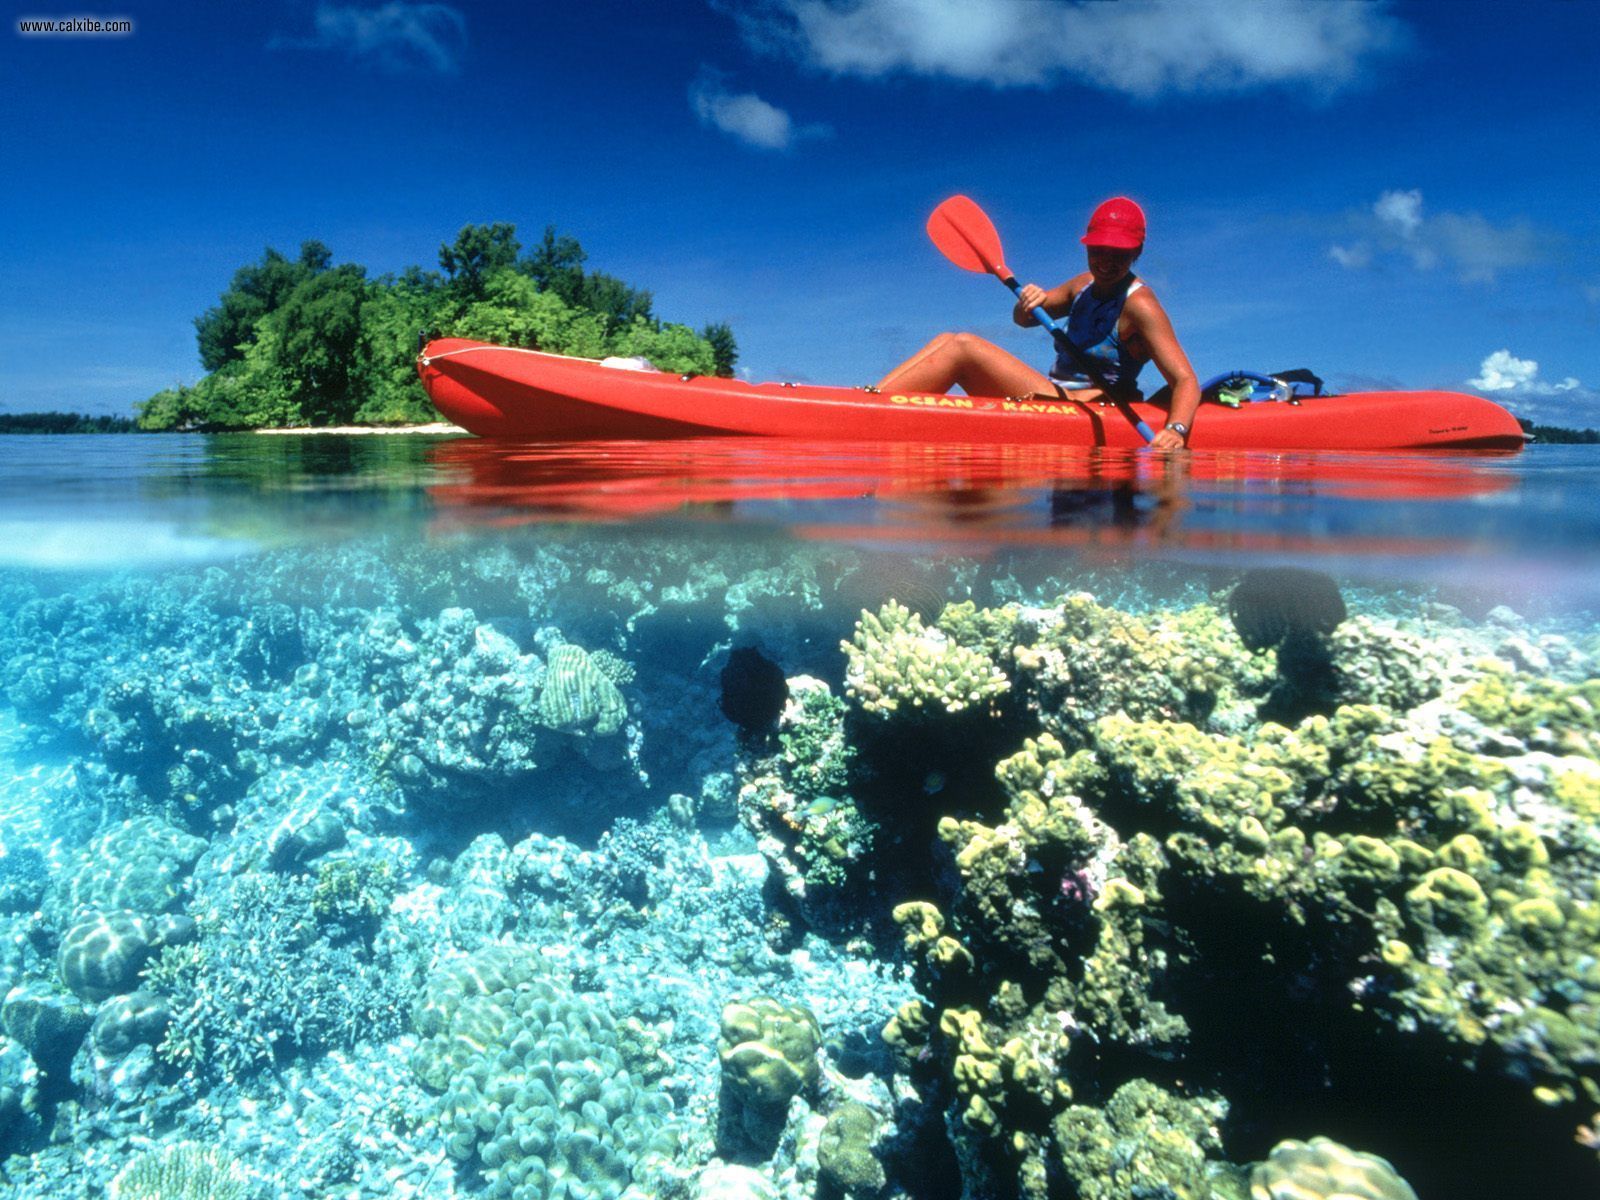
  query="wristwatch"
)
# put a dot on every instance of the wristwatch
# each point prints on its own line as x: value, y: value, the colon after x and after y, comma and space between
x: 1179, y: 428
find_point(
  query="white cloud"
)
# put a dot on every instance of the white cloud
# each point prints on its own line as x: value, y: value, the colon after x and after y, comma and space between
x: 1503, y: 371
x: 1515, y: 382
x: 1353, y: 257
x: 746, y: 117
x: 397, y: 36
x: 1142, y: 48
x: 1470, y: 244
x: 1401, y: 211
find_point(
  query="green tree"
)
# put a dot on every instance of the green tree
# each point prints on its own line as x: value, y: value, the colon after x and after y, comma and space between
x: 724, y: 350
x: 318, y: 330
x: 674, y: 348
x: 515, y: 312
x: 394, y: 311
x: 556, y: 265
x: 170, y: 408
x: 304, y: 342
x: 255, y: 393
x: 225, y: 330
x: 478, y: 252
x: 620, y: 304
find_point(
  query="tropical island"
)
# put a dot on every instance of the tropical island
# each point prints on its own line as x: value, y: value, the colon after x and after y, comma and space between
x: 302, y: 342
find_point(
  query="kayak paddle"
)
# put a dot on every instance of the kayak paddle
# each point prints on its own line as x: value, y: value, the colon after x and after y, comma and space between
x: 966, y: 236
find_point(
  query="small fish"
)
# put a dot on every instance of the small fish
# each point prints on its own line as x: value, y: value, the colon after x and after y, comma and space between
x: 934, y: 783
x: 820, y: 807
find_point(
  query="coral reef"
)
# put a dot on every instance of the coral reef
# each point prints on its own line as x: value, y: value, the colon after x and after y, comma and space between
x: 326, y: 986
x: 1145, y: 1141
x: 1078, y: 897
x: 139, y: 866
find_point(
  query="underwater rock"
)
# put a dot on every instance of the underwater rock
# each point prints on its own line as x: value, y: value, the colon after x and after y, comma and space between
x: 1322, y: 1169
x: 123, y: 1022
x: 19, y: 1094
x: 1271, y: 603
x: 302, y: 835
x: 754, y: 690
x: 24, y: 876
x: 730, y: 1181
x: 49, y: 1024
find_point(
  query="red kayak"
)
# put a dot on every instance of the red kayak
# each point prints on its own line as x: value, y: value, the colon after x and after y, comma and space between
x: 505, y: 392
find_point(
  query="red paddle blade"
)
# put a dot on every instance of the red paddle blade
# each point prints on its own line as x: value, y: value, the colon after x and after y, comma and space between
x: 966, y: 236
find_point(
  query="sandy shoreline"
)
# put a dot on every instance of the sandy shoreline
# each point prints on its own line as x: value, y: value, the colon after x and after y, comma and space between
x: 433, y: 427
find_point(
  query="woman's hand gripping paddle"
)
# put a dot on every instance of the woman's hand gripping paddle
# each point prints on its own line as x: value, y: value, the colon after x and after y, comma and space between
x: 966, y: 236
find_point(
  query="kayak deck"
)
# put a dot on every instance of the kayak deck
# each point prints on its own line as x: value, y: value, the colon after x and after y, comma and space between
x: 507, y: 392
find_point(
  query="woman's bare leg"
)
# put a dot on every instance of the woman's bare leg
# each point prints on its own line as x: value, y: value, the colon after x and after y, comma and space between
x: 965, y: 360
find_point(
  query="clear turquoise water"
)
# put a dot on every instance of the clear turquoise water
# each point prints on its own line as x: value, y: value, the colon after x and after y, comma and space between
x: 278, y: 727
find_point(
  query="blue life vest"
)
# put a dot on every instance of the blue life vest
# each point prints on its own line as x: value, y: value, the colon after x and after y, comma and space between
x: 1092, y: 327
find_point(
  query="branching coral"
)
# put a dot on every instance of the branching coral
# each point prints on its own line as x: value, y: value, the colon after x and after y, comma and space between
x: 895, y: 661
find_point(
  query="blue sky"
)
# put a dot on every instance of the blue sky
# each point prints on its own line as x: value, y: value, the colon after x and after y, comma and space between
x: 1395, y: 194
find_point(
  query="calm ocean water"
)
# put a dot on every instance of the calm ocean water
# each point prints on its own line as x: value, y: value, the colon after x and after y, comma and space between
x: 416, y: 816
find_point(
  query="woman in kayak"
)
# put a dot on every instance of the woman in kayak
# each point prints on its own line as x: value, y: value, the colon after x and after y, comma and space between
x: 1110, y: 315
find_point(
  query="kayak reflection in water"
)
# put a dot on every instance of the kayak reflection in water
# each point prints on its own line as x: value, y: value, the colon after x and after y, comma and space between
x: 1110, y: 315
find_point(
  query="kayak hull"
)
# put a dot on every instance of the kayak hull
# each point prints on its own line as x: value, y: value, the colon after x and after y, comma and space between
x: 526, y: 395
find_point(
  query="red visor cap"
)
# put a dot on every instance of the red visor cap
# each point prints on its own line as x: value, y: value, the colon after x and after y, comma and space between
x: 1119, y: 223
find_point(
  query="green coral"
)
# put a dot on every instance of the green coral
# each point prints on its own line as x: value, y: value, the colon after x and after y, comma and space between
x: 1088, y: 661
x: 768, y: 1051
x: 181, y: 1171
x: 536, y: 1089
x: 844, y: 1152
x: 895, y: 661
x: 798, y: 804
x: 353, y: 889
x: 1547, y: 714
x: 1146, y: 1142
x: 816, y: 757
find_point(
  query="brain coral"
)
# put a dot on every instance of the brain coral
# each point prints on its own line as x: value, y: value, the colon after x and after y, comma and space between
x: 578, y: 694
x: 139, y: 866
x: 533, y: 1080
x: 101, y: 956
x: 1322, y: 1169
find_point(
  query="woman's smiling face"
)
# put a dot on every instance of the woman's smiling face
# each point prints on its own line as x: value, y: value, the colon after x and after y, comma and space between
x: 1108, y: 264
